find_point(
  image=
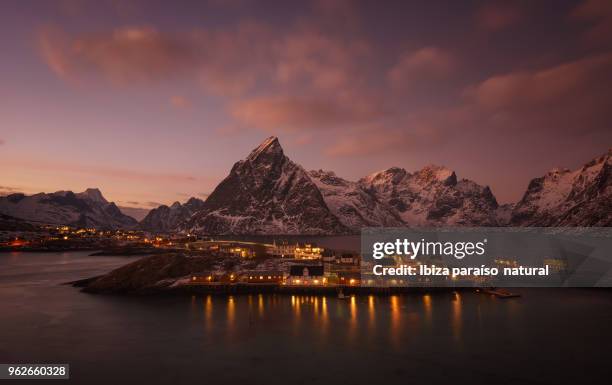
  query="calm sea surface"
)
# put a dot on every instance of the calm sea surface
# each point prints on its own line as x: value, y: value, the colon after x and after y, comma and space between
x: 546, y: 337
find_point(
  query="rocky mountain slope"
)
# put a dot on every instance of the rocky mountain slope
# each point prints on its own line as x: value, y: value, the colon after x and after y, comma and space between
x: 581, y: 197
x: 86, y: 209
x: 167, y: 218
x: 170, y: 272
x: 352, y: 203
x: 433, y: 197
x: 149, y: 274
x: 266, y: 193
x: 8, y: 223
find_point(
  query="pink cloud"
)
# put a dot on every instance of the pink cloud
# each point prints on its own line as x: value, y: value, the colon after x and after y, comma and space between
x: 307, y: 79
x: 382, y: 140
x: 599, y: 14
x: 290, y: 113
x: 527, y: 89
x: 53, y: 46
x: 2, y: 142
x: 400, y: 133
x: 143, y: 55
x: 570, y: 97
x: 234, y: 59
x: 319, y: 60
x: 132, y: 54
x: 180, y: 102
x: 317, y: 79
x: 229, y: 61
x: 427, y: 62
x: 497, y: 16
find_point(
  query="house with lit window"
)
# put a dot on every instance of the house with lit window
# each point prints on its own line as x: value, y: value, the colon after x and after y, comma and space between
x: 295, y: 250
x: 349, y: 278
x: 308, y: 251
x: 306, y: 275
x: 261, y: 276
x: 349, y: 259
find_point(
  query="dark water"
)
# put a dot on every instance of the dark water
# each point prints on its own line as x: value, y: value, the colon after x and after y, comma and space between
x: 545, y: 337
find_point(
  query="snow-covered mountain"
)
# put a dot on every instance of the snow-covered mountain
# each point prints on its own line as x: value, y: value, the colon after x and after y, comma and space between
x: 168, y: 218
x: 433, y: 197
x: 266, y: 193
x: 352, y: 203
x: 86, y: 209
x: 581, y: 197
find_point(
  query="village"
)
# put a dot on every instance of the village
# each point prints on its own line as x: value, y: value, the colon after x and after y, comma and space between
x: 280, y: 262
x: 271, y: 263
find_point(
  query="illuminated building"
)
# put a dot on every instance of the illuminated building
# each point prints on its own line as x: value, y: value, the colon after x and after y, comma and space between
x: 306, y: 275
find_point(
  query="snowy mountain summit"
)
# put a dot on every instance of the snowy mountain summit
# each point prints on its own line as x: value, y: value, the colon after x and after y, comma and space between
x: 433, y: 196
x: 563, y: 197
x: 266, y: 193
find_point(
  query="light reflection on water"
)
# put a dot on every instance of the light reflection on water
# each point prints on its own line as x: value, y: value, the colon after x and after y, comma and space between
x: 395, y: 330
x: 356, y: 318
x: 371, y: 313
x: 231, y: 313
x: 456, y: 322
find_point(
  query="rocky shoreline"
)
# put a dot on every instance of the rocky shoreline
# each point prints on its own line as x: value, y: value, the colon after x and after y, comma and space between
x: 170, y: 274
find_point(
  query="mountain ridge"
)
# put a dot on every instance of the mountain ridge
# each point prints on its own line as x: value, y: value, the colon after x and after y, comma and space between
x: 563, y: 197
x: 268, y: 193
x: 85, y: 209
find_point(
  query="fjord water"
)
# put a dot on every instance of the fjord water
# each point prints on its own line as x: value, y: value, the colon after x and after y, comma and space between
x: 548, y: 336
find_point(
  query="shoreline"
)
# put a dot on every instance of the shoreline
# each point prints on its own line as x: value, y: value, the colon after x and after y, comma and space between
x: 248, y: 289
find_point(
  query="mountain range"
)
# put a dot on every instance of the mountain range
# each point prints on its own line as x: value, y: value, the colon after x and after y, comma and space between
x: 267, y: 193
x: 86, y: 209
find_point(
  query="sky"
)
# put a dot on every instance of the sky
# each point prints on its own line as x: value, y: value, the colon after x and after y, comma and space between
x: 154, y: 101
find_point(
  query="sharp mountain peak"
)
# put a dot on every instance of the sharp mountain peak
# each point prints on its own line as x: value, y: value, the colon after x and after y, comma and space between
x: 269, y: 146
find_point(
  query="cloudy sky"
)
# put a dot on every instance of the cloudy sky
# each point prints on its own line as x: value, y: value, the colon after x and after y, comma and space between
x: 153, y: 101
